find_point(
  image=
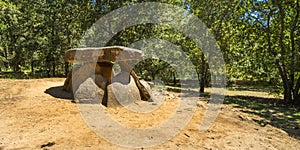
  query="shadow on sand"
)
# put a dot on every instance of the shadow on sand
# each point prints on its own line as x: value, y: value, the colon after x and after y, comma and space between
x: 58, y: 92
x: 271, y: 110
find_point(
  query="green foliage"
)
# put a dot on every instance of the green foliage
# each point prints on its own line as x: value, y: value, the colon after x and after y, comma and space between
x: 270, y: 47
x: 35, y: 34
x: 260, y: 40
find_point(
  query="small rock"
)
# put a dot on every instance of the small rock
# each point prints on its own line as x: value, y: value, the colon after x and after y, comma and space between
x: 49, y: 144
x: 154, y: 103
x: 188, y: 109
x: 201, y: 104
x: 282, y: 131
x: 186, y: 135
x: 151, y: 84
x: 242, y: 117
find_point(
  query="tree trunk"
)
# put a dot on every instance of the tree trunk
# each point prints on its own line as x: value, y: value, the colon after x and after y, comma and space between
x: 53, y: 68
x: 153, y: 75
x: 48, y: 66
x: 288, y: 96
x: 16, y: 67
x: 32, y: 67
x: 174, y: 80
x: 48, y: 72
x: 288, y: 83
x: 297, y: 93
x: 280, y: 64
x: 293, y: 65
x: 199, y: 78
x: 202, y: 76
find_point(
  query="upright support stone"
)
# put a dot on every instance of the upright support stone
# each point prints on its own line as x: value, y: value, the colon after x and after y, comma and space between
x: 106, y: 68
x: 145, y: 95
x: 68, y: 83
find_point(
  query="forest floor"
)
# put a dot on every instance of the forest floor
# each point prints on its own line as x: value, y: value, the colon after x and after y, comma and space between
x: 36, y: 114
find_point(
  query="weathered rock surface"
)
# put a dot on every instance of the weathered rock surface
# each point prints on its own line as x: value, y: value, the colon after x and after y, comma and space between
x: 146, y: 85
x: 100, y: 81
x: 122, y: 90
x: 90, y: 88
x: 103, y: 54
x: 80, y: 74
x: 96, y: 71
x: 89, y: 92
x: 88, y: 85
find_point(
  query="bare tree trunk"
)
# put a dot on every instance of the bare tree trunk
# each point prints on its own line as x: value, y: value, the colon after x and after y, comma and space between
x: 288, y: 83
x: 280, y: 63
x: 53, y: 68
x: 153, y: 75
x: 294, y: 86
x: 32, y: 67
x: 297, y: 93
x: 48, y: 65
x: 202, y: 76
x: 174, y: 80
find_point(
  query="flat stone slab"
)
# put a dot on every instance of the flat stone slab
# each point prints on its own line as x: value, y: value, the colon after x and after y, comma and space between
x: 103, y: 54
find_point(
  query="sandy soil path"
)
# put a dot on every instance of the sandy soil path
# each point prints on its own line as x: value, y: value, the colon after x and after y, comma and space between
x: 33, y: 119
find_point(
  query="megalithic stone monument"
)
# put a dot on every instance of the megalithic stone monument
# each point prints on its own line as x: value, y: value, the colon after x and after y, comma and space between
x: 94, y: 78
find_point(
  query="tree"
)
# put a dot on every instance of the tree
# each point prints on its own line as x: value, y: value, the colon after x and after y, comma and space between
x: 12, y: 36
x: 36, y: 33
x: 271, y: 35
x: 218, y: 17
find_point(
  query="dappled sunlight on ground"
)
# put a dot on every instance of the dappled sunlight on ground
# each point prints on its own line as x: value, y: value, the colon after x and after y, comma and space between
x: 31, y: 118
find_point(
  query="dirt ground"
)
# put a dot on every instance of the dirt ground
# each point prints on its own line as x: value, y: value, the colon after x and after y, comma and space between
x: 32, y: 117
